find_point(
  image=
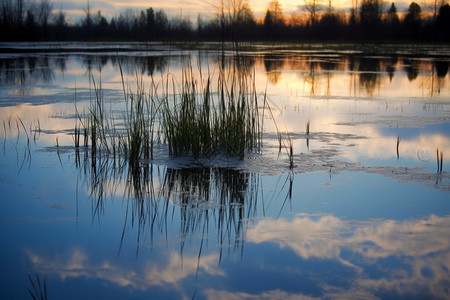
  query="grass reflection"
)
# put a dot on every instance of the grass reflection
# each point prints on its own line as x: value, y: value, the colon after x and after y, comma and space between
x: 221, y: 196
x: 204, y: 197
x: 38, y: 290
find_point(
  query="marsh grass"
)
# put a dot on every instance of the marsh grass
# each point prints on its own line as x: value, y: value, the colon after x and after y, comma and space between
x: 440, y: 160
x: 140, y: 121
x: 198, y: 117
x: 36, y: 131
x: 27, y: 148
x: 308, y: 123
x: 290, y: 152
x: 201, y: 123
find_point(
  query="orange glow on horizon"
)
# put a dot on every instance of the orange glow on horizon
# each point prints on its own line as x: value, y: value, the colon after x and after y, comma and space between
x: 207, y: 8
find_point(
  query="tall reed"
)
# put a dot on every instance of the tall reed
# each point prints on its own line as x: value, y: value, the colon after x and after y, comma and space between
x: 200, y: 122
x: 200, y: 118
x: 440, y: 160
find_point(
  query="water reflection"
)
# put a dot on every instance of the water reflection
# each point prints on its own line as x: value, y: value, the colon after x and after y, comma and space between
x: 324, y: 74
x: 273, y: 65
x: 419, y: 248
x: 211, y: 197
x: 391, y: 65
x: 28, y: 71
x: 167, y: 273
x: 369, y: 77
x: 411, y: 68
x: 441, y: 68
x: 208, y: 197
x: 412, y: 256
x: 210, y: 225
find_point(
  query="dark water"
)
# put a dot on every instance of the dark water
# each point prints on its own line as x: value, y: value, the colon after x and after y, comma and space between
x: 364, y: 213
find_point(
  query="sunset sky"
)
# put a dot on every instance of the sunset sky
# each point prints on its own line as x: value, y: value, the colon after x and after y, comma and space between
x: 191, y: 8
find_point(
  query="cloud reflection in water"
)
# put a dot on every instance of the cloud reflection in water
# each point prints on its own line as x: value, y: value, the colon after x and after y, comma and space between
x: 420, y: 249
x: 412, y: 255
x: 152, y: 274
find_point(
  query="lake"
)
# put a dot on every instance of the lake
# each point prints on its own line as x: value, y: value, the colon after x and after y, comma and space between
x: 345, y: 195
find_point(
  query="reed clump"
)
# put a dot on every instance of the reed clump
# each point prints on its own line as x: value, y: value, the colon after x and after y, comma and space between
x: 199, y: 118
x: 201, y: 123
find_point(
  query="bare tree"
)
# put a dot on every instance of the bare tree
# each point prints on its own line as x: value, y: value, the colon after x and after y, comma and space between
x: 432, y: 5
x: 273, y: 20
x: 353, y: 13
x: 87, y: 22
x: 231, y: 14
x: 276, y: 12
x: 44, y: 11
x: 12, y: 13
x: 312, y: 7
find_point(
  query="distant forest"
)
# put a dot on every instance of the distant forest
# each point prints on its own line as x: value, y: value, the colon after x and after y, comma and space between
x: 22, y: 20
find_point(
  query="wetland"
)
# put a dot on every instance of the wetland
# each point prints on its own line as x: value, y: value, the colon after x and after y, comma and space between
x: 196, y: 171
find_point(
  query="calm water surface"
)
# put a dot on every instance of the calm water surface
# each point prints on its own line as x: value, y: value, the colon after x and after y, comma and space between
x: 364, y: 212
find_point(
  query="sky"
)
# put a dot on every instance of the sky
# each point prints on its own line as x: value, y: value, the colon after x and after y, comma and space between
x: 190, y: 8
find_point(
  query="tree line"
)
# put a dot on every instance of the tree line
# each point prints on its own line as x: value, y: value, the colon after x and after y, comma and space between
x: 28, y: 20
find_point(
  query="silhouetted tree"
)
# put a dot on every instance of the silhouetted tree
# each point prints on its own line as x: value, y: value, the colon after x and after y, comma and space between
x: 413, y: 21
x: 273, y: 20
x: 330, y: 26
x: 236, y: 9
x: 353, y: 22
x: 234, y: 21
x: 442, y: 24
x: 370, y: 18
x: 392, y: 22
x: 161, y: 23
x: 30, y: 25
x: 150, y: 22
x: 312, y: 7
x: 245, y: 23
x: 113, y: 26
x: 60, y: 25
x: 87, y: 21
x: 44, y: 9
x: 101, y: 25
x: 12, y: 13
